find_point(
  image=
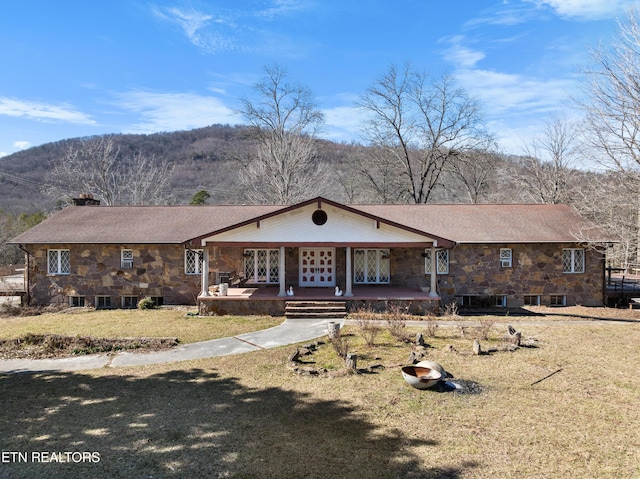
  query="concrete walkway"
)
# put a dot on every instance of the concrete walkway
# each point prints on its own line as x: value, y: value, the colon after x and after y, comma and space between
x: 290, y: 332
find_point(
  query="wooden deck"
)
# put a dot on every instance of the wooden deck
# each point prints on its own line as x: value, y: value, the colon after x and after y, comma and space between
x: 622, y: 290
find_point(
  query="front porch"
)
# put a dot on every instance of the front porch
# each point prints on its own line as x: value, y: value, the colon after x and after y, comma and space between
x: 266, y: 299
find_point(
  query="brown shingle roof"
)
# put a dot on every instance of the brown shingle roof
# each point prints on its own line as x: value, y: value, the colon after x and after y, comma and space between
x: 137, y: 224
x: 493, y: 223
x: 178, y: 224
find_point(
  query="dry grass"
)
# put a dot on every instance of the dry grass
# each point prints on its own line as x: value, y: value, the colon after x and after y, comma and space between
x: 249, y: 416
x: 134, y: 323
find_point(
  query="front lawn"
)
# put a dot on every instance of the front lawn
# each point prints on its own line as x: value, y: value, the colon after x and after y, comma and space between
x: 253, y: 416
x: 132, y: 323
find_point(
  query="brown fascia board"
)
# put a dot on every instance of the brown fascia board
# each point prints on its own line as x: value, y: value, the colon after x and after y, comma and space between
x: 442, y: 242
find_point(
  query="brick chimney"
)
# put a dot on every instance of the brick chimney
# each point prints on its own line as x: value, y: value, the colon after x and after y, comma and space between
x: 85, y: 199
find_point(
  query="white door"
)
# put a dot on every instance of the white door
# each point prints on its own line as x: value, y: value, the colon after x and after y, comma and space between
x: 317, y: 267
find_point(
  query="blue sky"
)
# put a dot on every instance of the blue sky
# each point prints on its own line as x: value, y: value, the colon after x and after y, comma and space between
x: 75, y: 68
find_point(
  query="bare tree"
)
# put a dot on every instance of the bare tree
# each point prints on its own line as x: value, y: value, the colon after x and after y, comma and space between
x: 91, y: 167
x: 548, y: 163
x: 612, y: 112
x: 147, y: 181
x: 613, y: 99
x: 284, y: 120
x: 601, y: 200
x: 95, y: 166
x: 421, y: 124
x: 475, y: 172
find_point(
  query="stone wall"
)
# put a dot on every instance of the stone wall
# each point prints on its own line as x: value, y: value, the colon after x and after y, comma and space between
x: 474, y: 270
x: 537, y: 269
x: 158, y: 271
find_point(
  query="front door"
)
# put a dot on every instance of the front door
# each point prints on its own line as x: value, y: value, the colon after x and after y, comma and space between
x: 317, y: 267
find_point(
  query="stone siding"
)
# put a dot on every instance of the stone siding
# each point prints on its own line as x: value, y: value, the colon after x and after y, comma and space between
x: 475, y: 270
x: 158, y: 271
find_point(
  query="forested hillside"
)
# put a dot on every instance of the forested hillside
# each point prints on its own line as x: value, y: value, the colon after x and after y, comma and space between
x: 215, y: 158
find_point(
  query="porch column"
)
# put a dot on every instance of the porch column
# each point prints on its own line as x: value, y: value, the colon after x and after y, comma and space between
x: 204, y: 269
x: 348, y: 287
x: 434, y: 272
x: 282, y: 273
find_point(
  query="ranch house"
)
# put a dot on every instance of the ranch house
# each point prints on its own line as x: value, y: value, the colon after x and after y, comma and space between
x: 258, y: 258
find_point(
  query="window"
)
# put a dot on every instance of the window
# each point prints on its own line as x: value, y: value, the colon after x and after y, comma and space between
x: 103, y: 302
x: 371, y: 266
x: 157, y: 300
x: 126, y: 259
x: 442, y: 256
x: 573, y: 260
x: 130, y: 302
x: 76, y: 301
x: 59, y: 261
x: 480, y: 301
x: 506, y: 257
x: 558, y: 300
x: 192, y: 263
x: 532, y: 300
x: 262, y: 265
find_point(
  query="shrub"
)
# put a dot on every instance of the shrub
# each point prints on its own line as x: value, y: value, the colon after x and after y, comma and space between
x: 432, y: 326
x: 8, y: 309
x: 368, y: 329
x: 451, y: 310
x: 397, y: 323
x: 485, y: 327
x: 147, y: 303
x: 341, y: 346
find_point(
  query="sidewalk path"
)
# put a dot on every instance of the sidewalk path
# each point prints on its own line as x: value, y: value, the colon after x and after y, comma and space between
x: 290, y: 332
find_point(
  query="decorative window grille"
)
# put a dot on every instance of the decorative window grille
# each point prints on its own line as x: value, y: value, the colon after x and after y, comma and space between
x: 192, y: 263
x: 262, y: 265
x: 126, y: 258
x: 573, y: 260
x: 506, y: 257
x: 442, y: 263
x: 371, y: 266
x: 59, y: 261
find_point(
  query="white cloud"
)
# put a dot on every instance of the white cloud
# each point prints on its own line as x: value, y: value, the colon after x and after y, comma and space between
x: 501, y: 93
x: 173, y: 111
x: 240, y: 29
x: 3, y: 153
x: 586, y: 9
x: 42, y: 111
x: 343, y: 123
x: 21, y: 145
x: 283, y: 7
x: 516, y: 106
x: 204, y: 30
x: 459, y: 54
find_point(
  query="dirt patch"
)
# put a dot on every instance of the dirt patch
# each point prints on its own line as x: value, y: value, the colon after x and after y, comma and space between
x: 40, y: 346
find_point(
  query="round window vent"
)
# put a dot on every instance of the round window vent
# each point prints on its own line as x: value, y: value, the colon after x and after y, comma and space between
x: 319, y: 217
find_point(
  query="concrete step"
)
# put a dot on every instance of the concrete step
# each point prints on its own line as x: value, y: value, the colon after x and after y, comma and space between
x: 315, y: 309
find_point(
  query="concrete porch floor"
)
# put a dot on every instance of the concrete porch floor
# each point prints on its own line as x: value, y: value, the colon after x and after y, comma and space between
x: 360, y: 293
